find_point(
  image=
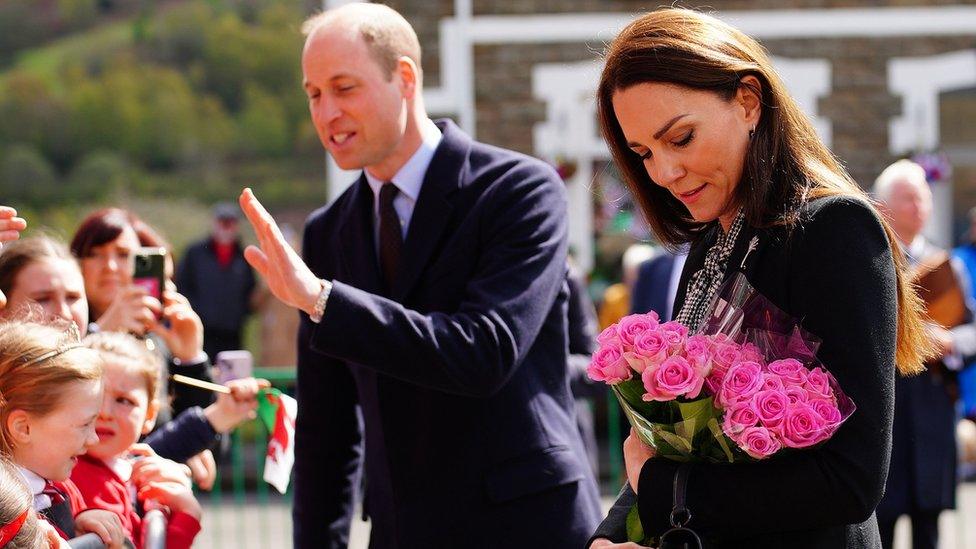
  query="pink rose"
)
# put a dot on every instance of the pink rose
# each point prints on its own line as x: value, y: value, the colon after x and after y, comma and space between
x: 796, y: 394
x: 742, y: 381
x: 713, y: 383
x: 771, y: 407
x: 772, y: 382
x: 698, y: 352
x: 803, y: 427
x: 608, y: 365
x: 676, y: 333
x: 725, y: 354
x: 739, y: 417
x: 758, y: 442
x: 649, y: 351
x: 673, y: 378
x: 751, y: 353
x: 632, y: 326
x: 790, y: 370
x: 818, y: 384
x: 829, y: 412
x: 609, y: 337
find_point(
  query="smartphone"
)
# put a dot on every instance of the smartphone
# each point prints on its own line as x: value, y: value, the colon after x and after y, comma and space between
x: 149, y: 271
x: 233, y: 365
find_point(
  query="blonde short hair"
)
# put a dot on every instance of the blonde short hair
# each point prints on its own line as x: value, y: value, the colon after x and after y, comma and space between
x: 128, y: 351
x: 386, y: 33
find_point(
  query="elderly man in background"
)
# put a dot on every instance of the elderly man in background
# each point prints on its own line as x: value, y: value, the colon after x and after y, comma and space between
x: 922, y: 476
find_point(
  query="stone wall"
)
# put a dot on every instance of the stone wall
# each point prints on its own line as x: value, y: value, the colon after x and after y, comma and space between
x: 859, y: 106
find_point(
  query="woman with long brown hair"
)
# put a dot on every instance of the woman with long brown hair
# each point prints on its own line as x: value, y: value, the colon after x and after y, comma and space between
x: 720, y: 156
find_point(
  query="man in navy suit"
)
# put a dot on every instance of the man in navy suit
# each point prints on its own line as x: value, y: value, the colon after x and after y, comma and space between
x: 657, y: 284
x: 435, y: 327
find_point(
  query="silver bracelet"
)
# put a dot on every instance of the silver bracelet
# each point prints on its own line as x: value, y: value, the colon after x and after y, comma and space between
x: 319, y: 309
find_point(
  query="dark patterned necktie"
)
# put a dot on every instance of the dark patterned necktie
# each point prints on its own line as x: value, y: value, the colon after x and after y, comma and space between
x: 59, y: 513
x: 391, y: 235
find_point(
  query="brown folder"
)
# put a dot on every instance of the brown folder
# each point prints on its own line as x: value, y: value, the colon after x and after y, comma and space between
x: 939, y: 289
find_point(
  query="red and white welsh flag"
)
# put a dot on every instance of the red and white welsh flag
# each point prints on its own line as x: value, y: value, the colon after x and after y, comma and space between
x: 278, y: 410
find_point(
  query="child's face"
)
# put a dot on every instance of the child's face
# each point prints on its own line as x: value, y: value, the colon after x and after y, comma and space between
x: 55, y: 440
x: 127, y: 412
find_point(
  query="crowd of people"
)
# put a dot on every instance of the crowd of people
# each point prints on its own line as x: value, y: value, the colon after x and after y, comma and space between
x: 444, y: 330
x: 90, y: 428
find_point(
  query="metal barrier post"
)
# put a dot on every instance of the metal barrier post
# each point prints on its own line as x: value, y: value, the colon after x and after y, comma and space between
x: 237, y: 472
x: 154, y: 530
x: 262, y: 487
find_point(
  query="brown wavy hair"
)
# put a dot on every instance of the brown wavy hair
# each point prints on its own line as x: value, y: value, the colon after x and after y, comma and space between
x: 786, y: 164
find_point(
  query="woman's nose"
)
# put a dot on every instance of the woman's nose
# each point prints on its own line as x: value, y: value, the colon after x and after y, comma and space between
x: 667, y: 172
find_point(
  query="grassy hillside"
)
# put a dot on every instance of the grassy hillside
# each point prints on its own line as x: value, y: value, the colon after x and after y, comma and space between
x: 174, y: 107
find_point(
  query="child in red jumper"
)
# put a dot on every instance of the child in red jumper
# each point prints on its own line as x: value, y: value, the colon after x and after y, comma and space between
x: 116, y: 472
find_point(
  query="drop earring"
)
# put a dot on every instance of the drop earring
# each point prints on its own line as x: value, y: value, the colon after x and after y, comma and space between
x: 752, y: 132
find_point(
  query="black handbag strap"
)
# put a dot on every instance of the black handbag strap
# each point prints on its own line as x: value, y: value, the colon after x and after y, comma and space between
x: 680, y: 536
x: 680, y: 515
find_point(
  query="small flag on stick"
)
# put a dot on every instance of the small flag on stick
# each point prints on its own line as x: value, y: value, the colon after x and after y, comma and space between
x: 277, y: 411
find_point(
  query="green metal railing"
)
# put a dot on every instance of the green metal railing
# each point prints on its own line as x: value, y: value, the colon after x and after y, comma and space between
x: 251, y: 514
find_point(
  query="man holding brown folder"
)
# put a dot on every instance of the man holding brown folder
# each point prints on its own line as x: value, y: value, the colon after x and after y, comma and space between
x: 922, y: 475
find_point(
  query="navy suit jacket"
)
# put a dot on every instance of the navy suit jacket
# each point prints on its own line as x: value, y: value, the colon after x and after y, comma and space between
x: 458, y: 375
x: 651, y: 287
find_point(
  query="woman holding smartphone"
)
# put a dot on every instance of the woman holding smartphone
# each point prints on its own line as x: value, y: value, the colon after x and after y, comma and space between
x: 105, y: 244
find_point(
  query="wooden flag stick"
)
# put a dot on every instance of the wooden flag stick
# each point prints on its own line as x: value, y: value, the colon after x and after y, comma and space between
x: 201, y: 384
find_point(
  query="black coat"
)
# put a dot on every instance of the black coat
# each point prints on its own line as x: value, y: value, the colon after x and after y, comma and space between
x: 834, y: 272
x: 459, y: 376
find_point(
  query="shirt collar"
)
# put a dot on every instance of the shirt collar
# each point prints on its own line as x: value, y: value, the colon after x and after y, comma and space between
x: 411, y: 176
x: 121, y: 467
x: 917, y: 246
x: 35, y: 482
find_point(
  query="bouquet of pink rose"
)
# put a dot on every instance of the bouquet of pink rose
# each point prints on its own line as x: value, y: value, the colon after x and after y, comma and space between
x: 746, y: 387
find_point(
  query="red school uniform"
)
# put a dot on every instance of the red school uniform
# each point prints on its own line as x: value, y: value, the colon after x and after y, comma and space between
x: 103, y: 488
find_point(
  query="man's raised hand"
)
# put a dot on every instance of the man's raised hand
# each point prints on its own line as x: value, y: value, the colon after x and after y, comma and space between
x: 287, y: 276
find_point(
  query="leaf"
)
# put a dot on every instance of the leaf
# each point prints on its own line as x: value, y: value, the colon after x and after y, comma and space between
x: 679, y: 443
x: 630, y: 390
x: 687, y: 429
x: 643, y: 427
x: 635, y: 530
x: 696, y: 415
x: 720, y: 437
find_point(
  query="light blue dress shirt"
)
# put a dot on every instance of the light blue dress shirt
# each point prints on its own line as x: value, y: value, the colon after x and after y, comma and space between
x: 408, y: 180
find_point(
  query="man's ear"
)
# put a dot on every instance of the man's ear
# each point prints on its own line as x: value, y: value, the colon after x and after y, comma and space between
x: 749, y: 97
x: 152, y: 412
x: 19, y: 427
x: 409, y: 74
